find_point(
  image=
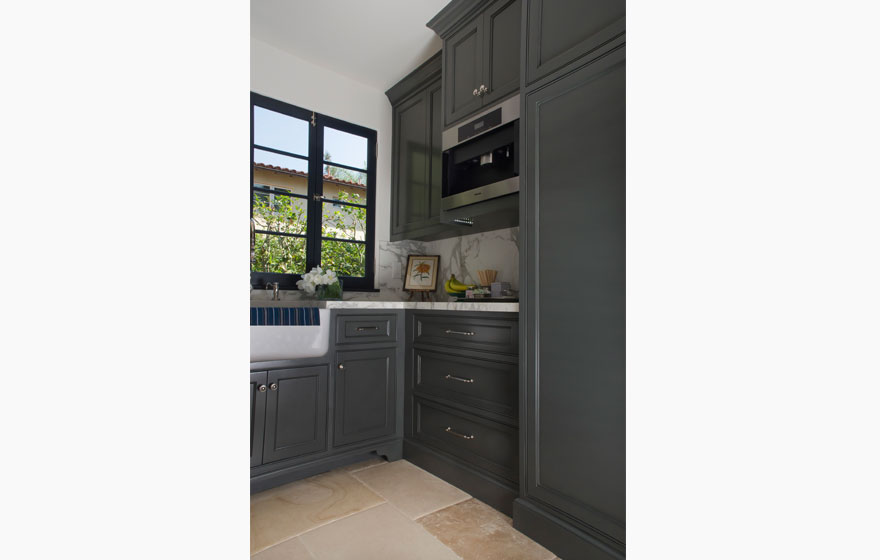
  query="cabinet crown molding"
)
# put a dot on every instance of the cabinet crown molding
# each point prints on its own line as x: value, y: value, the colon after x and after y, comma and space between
x: 454, y: 14
x: 417, y: 79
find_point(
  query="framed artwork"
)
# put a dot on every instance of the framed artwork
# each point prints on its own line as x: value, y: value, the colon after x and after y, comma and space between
x: 421, y: 273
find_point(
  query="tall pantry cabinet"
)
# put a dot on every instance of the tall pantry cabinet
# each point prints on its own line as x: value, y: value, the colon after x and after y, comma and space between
x: 572, y: 305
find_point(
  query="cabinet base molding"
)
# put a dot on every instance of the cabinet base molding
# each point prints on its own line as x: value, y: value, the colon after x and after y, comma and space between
x: 391, y: 450
x: 557, y: 535
x: 484, y: 487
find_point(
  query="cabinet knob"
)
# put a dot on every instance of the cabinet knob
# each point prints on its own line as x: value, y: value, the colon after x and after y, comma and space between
x: 274, y: 386
x: 261, y: 388
x: 341, y: 366
x: 483, y: 90
x: 476, y: 91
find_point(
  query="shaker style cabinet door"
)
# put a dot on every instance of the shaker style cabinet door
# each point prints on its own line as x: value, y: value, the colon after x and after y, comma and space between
x: 296, y: 412
x: 501, y: 50
x: 411, y: 161
x: 463, y: 71
x: 365, y: 382
x: 258, y: 415
x: 576, y: 425
x: 561, y: 31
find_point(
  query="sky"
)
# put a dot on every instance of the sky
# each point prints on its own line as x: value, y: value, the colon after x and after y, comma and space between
x: 282, y: 132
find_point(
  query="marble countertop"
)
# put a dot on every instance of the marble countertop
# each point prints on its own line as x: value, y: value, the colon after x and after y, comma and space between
x: 497, y: 307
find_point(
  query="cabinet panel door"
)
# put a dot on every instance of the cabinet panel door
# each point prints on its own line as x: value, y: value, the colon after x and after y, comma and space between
x: 435, y: 192
x: 258, y: 416
x: 560, y: 31
x: 410, y: 200
x: 501, y: 50
x: 296, y: 413
x: 365, y: 387
x: 575, y: 377
x: 462, y: 71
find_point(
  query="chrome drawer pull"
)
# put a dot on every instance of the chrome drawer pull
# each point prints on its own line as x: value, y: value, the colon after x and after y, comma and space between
x: 367, y: 329
x: 462, y: 379
x: 453, y: 432
x: 465, y: 333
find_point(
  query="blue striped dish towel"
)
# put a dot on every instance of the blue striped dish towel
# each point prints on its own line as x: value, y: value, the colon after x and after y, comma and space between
x: 284, y: 316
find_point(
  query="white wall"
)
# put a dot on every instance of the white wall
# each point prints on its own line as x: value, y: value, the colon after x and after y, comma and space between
x: 284, y: 77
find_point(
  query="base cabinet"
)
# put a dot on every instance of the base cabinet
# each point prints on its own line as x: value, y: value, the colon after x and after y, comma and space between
x: 296, y: 413
x: 365, y: 395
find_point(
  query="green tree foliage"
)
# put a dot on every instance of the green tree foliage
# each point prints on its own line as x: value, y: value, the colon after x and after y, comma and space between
x: 287, y: 255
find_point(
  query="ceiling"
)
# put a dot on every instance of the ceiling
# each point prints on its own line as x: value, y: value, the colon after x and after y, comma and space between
x: 374, y: 42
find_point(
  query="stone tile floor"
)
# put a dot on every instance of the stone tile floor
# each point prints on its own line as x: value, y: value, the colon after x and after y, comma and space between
x: 381, y: 511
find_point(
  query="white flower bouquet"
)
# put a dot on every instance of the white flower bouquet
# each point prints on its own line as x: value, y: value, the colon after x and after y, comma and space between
x: 326, y: 285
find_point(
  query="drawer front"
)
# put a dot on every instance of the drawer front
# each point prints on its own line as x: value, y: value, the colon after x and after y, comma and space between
x: 483, y: 443
x: 494, y: 335
x: 480, y: 383
x: 361, y: 329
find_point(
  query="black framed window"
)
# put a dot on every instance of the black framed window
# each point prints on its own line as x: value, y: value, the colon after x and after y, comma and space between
x: 313, y: 187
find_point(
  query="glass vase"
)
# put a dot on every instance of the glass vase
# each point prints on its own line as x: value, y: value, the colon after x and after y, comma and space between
x: 329, y: 291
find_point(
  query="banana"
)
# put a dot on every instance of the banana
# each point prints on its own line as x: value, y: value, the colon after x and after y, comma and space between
x: 451, y: 290
x: 458, y: 286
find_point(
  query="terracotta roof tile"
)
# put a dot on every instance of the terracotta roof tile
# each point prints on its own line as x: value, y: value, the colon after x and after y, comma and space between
x: 305, y: 174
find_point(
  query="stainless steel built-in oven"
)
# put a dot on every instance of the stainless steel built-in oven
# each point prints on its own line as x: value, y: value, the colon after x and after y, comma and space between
x: 481, y: 156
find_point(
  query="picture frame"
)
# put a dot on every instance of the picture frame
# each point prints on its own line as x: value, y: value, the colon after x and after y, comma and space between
x: 421, y: 273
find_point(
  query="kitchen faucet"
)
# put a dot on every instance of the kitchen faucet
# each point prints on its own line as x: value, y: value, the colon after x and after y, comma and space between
x: 276, y: 294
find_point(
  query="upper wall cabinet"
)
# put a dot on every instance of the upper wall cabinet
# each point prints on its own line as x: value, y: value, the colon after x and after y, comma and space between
x: 480, y: 54
x: 416, y: 159
x: 561, y: 31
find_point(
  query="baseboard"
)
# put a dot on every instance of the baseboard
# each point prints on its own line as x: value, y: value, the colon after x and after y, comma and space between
x: 483, y: 486
x: 560, y: 537
x: 390, y: 450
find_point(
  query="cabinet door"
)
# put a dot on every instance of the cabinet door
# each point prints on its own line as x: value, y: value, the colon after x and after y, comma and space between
x: 462, y: 71
x: 411, y: 161
x: 560, y: 31
x: 296, y: 412
x: 575, y: 348
x: 435, y: 192
x: 258, y: 415
x: 501, y: 24
x: 365, y: 392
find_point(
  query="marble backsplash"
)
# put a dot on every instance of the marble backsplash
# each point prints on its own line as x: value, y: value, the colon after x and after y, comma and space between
x: 462, y: 256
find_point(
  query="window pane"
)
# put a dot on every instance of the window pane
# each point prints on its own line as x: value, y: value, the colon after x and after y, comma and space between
x: 276, y: 212
x: 344, y: 222
x: 275, y: 130
x: 347, y: 149
x: 346, y: 259
x: 275, y: 170
x: 279, y: 254
x: 347, y: 186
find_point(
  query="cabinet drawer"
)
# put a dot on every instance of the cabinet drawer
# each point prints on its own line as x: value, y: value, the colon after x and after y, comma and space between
x: 485, y: 384
x: 494, y: 335
x: 483, y: 443
x: 366, y: 329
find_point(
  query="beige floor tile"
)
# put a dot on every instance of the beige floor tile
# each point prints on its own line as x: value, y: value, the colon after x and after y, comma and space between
x: 364, y: 464
x: 475, y: 531
x: 291, y: 549
x: 380, y: 533
x: 292, y: 509
x: 413, y: 491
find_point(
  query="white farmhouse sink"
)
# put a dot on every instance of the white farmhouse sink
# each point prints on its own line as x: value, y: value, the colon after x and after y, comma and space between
x: 290, y: 342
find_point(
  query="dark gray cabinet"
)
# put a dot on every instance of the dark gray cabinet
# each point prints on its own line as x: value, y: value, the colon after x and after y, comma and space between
x: 559, y: 32
x: 365, y: 387
x: 296, y: 412
x: 258, y: 415
x: 480, y: 55
x: 416, y: 152
x: 573, y: 492
x: 460, y: 403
